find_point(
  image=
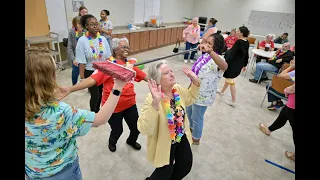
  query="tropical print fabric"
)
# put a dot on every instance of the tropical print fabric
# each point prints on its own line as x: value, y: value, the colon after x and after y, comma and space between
x: 50, y: 138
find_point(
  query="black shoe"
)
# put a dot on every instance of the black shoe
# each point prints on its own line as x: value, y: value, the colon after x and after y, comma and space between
x: 253, y: 80
x: 272, y: 107
x: 134, y: 145
x: 264, y: 79
x: 112, y: 147
x: 147, y: 178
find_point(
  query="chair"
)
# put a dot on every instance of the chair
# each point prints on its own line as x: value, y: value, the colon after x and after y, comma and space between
x: 278, y: 85
x: 251, y: 40
x: 284, y: 66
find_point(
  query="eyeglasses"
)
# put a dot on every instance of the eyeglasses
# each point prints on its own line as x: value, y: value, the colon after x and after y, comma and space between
x: 93, y: 24
x: 125, y: 47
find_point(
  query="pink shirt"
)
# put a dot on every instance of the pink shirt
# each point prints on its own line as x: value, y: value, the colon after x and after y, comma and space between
x: 192, y: 34
x: 230, y: 40
x: 210, y: 31
x: 291, y: 97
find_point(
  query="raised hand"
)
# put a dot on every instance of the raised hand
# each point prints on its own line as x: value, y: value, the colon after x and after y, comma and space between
x: 63, y: 92
x: 190, y: 74
x: 205, y: 47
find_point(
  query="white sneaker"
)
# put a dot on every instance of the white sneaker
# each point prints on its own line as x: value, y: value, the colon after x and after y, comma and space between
x: 230, y: 103
x: 220, y: 93
x: 186, y: 61
x: 191, y: 61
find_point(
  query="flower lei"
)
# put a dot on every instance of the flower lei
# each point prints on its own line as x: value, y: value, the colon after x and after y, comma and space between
x: 77, y: 34
x: 201, y: 61
x: 174, y: 117
x: 115, y: 61
x: 102, y: 24
x: 278, y: 54
x: 92, y: 45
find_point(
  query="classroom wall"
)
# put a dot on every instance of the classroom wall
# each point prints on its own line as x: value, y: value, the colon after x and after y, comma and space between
x: 121, y: 11
x: 234, y: 13
x: 175, y: 10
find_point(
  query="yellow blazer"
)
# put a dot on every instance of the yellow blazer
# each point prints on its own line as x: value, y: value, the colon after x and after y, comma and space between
x: 154, y: 124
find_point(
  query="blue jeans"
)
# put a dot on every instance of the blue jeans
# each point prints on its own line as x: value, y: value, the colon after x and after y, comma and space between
x: 75, y: 74
x: 195, y: 115
x: 188, y: 46
x: 264, y: 66
x: 71, y: 171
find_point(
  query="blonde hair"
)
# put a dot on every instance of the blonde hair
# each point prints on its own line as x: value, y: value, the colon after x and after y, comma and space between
x: 40, y: 80
x: 75, y: 21
x: 154, y: 71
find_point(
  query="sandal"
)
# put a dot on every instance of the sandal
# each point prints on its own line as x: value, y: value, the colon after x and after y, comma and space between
x: 264, y: 128
x: 290, y: 155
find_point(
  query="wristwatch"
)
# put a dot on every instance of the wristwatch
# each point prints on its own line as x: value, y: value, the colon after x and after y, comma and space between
x: 116, y: 92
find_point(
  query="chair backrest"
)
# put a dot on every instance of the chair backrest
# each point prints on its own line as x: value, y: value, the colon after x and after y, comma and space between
x: 251, y: 40
x: 284, y: 66
x: 279, y: 84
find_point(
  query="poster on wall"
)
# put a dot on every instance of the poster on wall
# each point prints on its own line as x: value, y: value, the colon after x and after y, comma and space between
x: 76, y: 5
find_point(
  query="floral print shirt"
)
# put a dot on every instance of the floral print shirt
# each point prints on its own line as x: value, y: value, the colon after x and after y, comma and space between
x: 50, y: 138
x: 209, y: 76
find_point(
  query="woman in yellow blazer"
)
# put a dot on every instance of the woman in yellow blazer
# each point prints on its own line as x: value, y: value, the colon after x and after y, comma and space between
x: 163, y: 119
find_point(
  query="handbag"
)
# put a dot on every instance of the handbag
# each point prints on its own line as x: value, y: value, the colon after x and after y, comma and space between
x: 176, y: 49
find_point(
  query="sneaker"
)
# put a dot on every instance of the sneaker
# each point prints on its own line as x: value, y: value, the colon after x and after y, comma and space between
x: 272, y: 107
x: 280, y: 104
x: 195, y: 141
x: 230, y: 103
x: 191, y: 61
x: 186, y: 61
x: 220, y: 93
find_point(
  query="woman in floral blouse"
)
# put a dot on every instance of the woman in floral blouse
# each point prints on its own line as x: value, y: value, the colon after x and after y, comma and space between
x: 209, y: 69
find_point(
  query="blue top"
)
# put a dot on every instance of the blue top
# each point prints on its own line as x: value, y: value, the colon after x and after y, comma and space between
x: 84, y: 53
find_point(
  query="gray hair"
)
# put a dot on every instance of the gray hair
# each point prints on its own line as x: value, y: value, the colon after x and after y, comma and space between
x: 289, y: 45
x: 115, y: 43
x: 154, y: 72
x: 195, y: 19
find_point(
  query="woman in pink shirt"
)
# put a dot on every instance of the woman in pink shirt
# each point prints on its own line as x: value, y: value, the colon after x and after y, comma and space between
x: 287, y: 112
x: 211, y: 29
x: 191, y: 37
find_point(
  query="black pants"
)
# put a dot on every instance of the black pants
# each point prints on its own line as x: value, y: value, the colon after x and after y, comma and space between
x: 271, y: 97
x: 285, y: 114
x: 131, y: 116
x: 259, y: 58
x: 181, y: 154
x: 96, y: 94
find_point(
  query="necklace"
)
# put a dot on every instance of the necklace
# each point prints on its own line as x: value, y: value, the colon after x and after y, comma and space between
x: 174, y: 116
x: 115, y: 61
x: 77, y: 34
x: 204, y: 59
x: 95, y: 56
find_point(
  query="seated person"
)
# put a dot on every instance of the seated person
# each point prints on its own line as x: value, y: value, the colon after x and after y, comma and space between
x: 281, y: 82
x: 265, y: 43
x: 231, y: 39
x: 282, y: 39
x: 273, y: 64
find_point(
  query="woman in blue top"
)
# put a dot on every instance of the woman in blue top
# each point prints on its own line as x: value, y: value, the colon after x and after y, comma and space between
x: 52, y: 126
x: 91, y: 48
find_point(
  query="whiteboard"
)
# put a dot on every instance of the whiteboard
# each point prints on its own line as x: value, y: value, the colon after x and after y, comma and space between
x: 264, y: 22
x: 57, y: 18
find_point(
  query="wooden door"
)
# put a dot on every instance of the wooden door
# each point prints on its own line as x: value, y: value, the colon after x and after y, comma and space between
x: 127, y: 35
x: 144, y: 40
x: 167, y: 36
x: 132, y: 42
x: 36, y: 18
x: 136, y: 41
x: 160, y: 40
x: 114, y: 36
x: 153, y: 38
x: 173, y: 38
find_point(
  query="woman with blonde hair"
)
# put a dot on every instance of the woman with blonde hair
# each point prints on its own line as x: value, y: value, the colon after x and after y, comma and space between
x: 52, y: 126
x: 163, y: 119
x: 191, y: 37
